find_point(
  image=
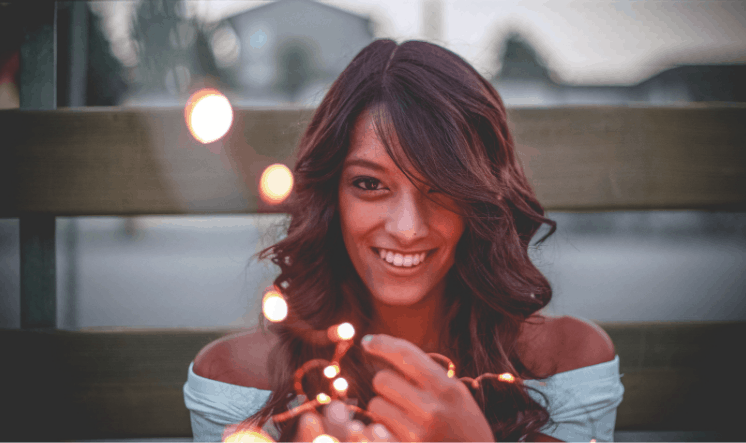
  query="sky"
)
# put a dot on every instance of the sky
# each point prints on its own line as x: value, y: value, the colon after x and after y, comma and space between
x: 582, y: 41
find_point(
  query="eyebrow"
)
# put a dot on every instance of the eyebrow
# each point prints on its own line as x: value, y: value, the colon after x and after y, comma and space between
x: 365, y: 163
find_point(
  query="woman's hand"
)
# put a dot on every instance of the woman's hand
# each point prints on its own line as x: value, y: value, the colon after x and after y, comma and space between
x: 427, y: 405
x: 336, y: 423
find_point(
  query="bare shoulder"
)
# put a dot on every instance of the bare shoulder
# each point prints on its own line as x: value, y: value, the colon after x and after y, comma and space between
x: 561, y: 344
x: 237, y: 359
x: 583, y: 342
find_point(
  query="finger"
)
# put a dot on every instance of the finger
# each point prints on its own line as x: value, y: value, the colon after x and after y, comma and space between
x: 412, y: 361
x: 398, y: 391
x: 356, y: 432
x: 378, y: 432
x: 337, y: 418
x: 394, y: 419
x: 309, y: 427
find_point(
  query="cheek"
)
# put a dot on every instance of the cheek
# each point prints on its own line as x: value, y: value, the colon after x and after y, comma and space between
x: 450, y: 227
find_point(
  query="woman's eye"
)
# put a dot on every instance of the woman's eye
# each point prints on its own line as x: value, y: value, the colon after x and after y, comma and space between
x: 369, y: 184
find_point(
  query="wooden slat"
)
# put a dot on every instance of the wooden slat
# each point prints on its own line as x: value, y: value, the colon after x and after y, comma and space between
x: 143, y: 161
x: 128, y: 383
x: 673, y: 374
x: 66, y: 385
x: 620, y: 158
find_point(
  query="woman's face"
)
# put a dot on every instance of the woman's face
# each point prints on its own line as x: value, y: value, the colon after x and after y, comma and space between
x: 383, y: 213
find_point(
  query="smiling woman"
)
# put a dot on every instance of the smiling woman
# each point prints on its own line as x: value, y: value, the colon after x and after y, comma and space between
x: 411, y: 219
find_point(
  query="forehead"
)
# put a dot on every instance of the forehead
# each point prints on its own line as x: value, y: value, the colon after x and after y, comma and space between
x: 365, y: 144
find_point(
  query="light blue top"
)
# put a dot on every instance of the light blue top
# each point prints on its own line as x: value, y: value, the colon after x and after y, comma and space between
x: 582, y: 403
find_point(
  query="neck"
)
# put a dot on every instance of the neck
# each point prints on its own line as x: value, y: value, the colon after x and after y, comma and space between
x: 420, y: 324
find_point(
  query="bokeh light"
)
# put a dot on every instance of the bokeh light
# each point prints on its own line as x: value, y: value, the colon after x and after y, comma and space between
x: 247, y: 437
x: 274, y: 307
x: 276, y: 183
x: 340, y: 384
x: 507, y: 377
x: 345, y: 331
x: 323, y: 398
x: 208, y: 115
x: 331, y: 371
x: 324, y: 438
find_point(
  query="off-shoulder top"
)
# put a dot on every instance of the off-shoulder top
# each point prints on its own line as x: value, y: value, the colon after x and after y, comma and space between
x: 582, y: 403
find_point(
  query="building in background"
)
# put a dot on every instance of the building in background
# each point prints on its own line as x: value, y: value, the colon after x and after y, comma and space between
x: 524, y: 79
x: 285, y: 52
x: 293, y: 50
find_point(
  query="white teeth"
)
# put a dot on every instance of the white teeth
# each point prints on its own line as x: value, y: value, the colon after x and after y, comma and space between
x: 396, y: 259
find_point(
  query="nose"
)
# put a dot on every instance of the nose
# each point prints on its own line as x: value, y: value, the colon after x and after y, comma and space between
x: 408, y: 218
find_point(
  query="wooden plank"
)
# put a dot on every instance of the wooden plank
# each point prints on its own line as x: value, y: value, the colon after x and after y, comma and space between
x: 38, y: 271
x: 91, y: 385
x: 621, y: 158
x: 670, y: 371
x: 138, y: 162
x: 128, y: 383
x: 143, y: 161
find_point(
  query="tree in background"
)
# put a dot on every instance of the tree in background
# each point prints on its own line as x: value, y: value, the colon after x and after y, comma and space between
x: 173, y: 48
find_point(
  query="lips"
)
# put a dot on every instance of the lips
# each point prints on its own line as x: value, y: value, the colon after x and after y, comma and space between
x: 403, y: 269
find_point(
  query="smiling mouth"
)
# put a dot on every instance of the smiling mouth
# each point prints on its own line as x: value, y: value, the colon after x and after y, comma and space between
x: 402, y: 261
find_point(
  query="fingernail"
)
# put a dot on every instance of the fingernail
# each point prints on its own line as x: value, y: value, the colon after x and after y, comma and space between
x: 366, y: 340
x: 337, y: 411
x: 380, y: 431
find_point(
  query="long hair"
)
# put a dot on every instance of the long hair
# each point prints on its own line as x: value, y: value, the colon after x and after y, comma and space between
x: 452, y: 128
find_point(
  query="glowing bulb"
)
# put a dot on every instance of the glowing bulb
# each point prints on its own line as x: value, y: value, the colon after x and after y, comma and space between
x: 276, y: 183
x: 324, y: 438
x: 340, y: 384
x: 451, y: 373
x: 274, y: 307
x: 331, y: 371
x: 323, y: 398
x: 208, y: 115
x: 247, y: 437
x: 345, y: 331
x: 593, y: 440
x: 507, y: 377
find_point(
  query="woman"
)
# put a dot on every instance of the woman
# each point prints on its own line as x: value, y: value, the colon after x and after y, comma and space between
x: 411, y: 219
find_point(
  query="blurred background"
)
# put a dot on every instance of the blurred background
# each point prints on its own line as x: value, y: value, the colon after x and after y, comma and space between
x: 198, y: 271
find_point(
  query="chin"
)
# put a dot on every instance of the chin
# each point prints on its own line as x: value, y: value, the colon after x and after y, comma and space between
x: 397, y: 296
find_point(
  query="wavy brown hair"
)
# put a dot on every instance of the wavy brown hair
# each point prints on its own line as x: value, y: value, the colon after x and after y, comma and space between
x: 452, y: 128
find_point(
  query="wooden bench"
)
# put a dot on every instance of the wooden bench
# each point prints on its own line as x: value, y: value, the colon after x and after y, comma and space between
x: 127, y: 383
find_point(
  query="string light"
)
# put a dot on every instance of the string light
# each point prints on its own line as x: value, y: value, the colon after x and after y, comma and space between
x: 340, y: 384
x: 208, y: 115
x: 331, y: 371
x: 345, y: 331
x: 506, y: 377
x: 275, y: 183
x: 324, y: 438
x: 275, y: 309
x: 248, y: 436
